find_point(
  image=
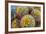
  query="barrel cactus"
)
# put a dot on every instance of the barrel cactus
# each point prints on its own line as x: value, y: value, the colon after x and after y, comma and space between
x: 27, y: 21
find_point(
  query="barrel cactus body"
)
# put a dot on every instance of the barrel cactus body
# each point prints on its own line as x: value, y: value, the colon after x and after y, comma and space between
x: 27, y: 21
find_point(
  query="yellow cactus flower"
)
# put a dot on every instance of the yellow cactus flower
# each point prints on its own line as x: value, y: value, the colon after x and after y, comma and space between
x: 37, y: 12
x: 19, y: 9
x: 14, y: 23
